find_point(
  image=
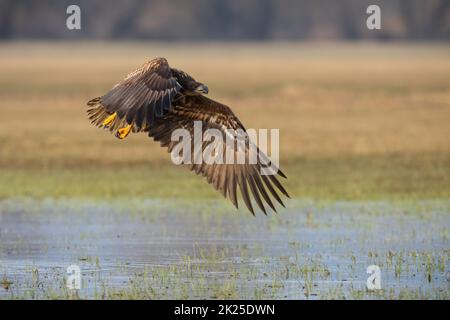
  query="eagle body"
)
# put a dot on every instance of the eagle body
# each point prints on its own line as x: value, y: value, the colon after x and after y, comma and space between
x: 158, y: 99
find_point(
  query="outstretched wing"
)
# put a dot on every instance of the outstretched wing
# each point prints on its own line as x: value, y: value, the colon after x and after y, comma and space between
x: 143, y: 95
x: 222, y: 176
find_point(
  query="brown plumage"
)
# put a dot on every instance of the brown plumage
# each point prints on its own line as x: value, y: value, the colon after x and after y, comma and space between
x: 158, y: 99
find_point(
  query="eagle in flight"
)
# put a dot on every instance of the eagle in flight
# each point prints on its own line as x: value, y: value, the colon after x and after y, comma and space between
x: 158, y: 99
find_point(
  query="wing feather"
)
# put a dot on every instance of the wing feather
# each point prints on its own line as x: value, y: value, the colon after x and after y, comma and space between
x: 226, y: 178
x: 143, y: 95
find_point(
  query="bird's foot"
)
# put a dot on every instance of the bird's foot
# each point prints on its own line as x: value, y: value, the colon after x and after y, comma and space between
x: 122, y: 133
x: 108, y: 121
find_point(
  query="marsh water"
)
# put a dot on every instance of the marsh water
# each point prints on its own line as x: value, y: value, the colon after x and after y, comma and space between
x: 162, y: 249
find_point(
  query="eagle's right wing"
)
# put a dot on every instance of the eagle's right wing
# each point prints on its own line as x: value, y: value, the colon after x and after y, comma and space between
x: 225, y: 177
x: 144, y: 94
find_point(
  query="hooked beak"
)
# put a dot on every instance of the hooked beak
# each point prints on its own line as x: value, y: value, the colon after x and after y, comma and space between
x: 202, y: 89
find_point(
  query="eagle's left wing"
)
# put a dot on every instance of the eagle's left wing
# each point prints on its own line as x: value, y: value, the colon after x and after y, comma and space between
x: 144, y: 94
x: 224, y: 177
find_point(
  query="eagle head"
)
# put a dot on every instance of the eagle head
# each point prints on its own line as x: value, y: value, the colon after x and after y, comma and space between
x: 194, y: 88
x: 190, y: 86
x: 200, y: 88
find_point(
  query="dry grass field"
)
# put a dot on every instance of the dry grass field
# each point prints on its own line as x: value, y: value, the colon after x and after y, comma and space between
x: 357, y: 121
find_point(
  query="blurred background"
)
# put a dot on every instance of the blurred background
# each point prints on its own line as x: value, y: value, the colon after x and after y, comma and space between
x: 363, y: 113
x: 260, y: 20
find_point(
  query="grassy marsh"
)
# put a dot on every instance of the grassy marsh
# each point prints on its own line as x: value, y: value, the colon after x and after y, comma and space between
x: 178, y: 250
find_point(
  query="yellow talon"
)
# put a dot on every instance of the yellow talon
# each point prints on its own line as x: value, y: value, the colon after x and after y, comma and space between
x: 109, y: 120
x: 123, y: 132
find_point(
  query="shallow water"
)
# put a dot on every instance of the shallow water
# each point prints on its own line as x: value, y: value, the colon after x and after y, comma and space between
x: 174, y: 249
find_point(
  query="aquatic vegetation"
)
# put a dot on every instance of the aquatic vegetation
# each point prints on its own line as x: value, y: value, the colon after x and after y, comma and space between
x: 160, y: 250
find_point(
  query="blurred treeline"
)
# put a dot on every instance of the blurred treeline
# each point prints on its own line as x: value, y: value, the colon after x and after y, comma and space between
x: 225, y: 19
